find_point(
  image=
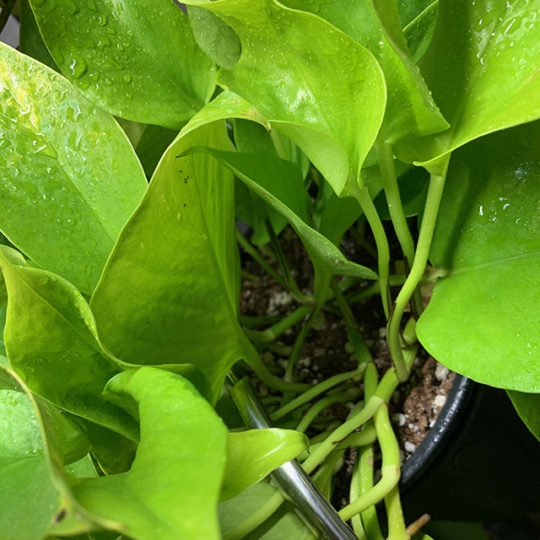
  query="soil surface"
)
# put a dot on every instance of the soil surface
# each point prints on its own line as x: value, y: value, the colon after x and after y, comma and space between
x: 326, y: 351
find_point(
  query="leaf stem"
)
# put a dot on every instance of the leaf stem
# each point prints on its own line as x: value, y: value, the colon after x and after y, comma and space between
x: 383, y: 251
x: 435, y: 191
x: 272, y: 333
x: 317, y: 390
x: 395, y: 207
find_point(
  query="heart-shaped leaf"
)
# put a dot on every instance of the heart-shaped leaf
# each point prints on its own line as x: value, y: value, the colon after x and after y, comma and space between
x: 117, y: 56
x: 489, y: 80
x: 172, y: 488
x: 253, y: 454
x: 52, y: 344
x: 70, y: 179
x: 288, y: 70
x: 410, y: 110
x: 483, y: 319
x: 169, y: 292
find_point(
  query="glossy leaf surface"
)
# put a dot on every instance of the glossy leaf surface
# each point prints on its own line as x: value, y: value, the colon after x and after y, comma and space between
x: 483, y: 319
x: 116, y: 54
x: 168, y: 294
x: 410, y: 110
x: 28, y: 496
x: 70, y: 179
x: 253, y: 454
x: 172, y: 488
x: 489, y: 81
x: 52, y: 343
x: 257, y: 172
x: 288, y: 70
x: 528, y: 408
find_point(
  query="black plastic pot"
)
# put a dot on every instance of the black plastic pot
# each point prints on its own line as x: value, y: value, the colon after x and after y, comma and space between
x: 479, y: 462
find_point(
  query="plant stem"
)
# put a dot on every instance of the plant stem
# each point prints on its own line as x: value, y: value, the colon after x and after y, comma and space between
x: 348, y: 315
x: 5, y: 13
x: 390, y: 467
x: 256, y: 519
x: 435, y: 191
x: 395, y: 207
x: 393, y: 281
x: 317, y: 390
x: 383, y: 251
x: 317, y: 408
x: 342, y: 431
x: 272, y: 333
x: 249, y: 249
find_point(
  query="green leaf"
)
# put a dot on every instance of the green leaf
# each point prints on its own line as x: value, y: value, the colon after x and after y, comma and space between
x: 419, y: 32
x: 28, y: 497
x: 528, y: 408
x: 411, y: 9
x: 70, y: 179
x: 152, y: 145
x: 169, y: 292
x: 31, y: 42
x: 259, y: 173
x: 253, y: 454
x: 283, y: 524
x: 483, y: 319
x: 410, y: 109
x: 53, y: 346
x: 117, y: 56
x: 172, y: 488
x: 215, y: 37
x: 288, y: 69
x: 488, y: 81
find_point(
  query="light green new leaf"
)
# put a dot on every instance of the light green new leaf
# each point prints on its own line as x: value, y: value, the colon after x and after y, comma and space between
x: 483, y: 320
x: 253, y: 454
x: 168, y: 294
x: 52, y: 344
x: 137, y: 60
x: 283, y: 524
x: 410, y: 110
x: 172, y: 488
x: 258, y: 173
x: 482, y: 67
x: 315, y: 84
x: 69, y: 177
x: 528, y: 408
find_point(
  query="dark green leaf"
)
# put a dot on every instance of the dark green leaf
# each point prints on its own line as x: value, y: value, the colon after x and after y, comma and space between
x: 152, y: 145
x: 52, y: 343
x: 70, y: 179
x: 288, y: 69
x: 137, y: 60
x: 411, y: 9
x: 172, y: 488
x: 487, y: 80
x: 419, y: 32
x: 169, y: 292
x: 483, y: 319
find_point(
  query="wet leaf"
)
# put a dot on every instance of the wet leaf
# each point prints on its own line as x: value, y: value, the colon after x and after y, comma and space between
x: 410, y: 109
x: 288, y: 70
x: 483, y: 319
x: 70, y: 178
x: 172, y: 488
x: 116, y: 55
x: 489, y: 80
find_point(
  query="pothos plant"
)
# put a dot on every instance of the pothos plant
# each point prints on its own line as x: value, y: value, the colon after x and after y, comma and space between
x: 121, y: 265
